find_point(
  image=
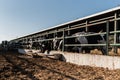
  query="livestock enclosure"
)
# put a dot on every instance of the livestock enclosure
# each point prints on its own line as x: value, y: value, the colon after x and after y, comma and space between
x: 105, y: 23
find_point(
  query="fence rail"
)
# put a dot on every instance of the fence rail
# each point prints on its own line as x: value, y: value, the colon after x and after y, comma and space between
x: 85, y: 24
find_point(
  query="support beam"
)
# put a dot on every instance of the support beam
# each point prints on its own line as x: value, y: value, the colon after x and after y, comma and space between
x: 55, y: 33
x: 107, y: 37
x: 63, y: 47
x: 115, y: 34
x: 68, y: 30
x: 86, y: 26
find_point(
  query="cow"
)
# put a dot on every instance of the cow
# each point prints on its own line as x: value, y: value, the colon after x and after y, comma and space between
x: 36, y: 45
x: 43, y: 45
x: 55, y: 43
x: 46, y: 46
x: 80, y: 39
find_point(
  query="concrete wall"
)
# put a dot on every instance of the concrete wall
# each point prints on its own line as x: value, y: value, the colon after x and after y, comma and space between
x: 110, y: 62
x: 24, y: 51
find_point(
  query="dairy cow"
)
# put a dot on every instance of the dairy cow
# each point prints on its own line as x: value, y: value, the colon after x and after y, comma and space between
x: 80, y: 39
x: 46, y: 46
x: 43, y: 46
x: 56, y: 43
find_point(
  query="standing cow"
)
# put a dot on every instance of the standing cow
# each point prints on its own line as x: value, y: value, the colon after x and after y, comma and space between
x: 56, y: 43
x: 80, y: 39
x: 43, y: 46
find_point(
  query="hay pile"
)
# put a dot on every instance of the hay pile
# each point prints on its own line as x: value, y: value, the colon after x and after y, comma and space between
x: 96, y: 51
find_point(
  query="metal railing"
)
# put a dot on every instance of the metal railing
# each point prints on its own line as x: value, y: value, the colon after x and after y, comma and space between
x: 83, y: 25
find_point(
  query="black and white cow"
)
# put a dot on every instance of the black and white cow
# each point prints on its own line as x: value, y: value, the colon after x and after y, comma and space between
x: 43, y: 46
x: 56, y: 43
x: 98, y: 39
x: 46, y: 46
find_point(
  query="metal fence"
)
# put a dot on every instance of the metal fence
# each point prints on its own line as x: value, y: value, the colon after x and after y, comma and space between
x: 107, y: 33
x: 83, y: 25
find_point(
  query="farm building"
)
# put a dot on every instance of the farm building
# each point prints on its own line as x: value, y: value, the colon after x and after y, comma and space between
x: 99, y: 32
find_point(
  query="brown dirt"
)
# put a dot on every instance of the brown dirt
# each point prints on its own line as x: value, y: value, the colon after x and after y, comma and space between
x: 14, y: 66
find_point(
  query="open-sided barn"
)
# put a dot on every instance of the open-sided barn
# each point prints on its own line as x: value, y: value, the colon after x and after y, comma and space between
x: 99, y: 31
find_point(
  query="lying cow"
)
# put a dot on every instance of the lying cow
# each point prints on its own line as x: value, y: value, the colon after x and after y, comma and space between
x: 79, y: 39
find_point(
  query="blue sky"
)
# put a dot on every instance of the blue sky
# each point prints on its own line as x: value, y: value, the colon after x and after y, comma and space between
x: 22, y: 17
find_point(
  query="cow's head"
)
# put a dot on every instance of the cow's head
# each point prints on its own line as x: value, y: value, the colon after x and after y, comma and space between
x: 55, y: 43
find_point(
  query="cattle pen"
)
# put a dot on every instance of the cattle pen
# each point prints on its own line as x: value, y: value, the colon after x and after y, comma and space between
x: 106, y: 23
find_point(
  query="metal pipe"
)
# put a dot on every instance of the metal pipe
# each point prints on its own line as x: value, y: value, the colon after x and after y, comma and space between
x: 79, y: 24
x: 85, y: 44
x: 86, y: 29
x: 86, y: 35
x: 63, y: 47
x: 115, y: 34
x: 101, y: 19
x: 91, y: 44
x: 107, y: 37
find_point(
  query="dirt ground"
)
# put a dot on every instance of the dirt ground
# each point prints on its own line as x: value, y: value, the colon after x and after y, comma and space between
x: 14, y: 66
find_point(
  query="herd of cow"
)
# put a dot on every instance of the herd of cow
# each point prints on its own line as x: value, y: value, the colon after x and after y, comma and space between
x: 57, y: 44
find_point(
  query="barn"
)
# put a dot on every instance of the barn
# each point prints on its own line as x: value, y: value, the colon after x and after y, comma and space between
x: 105, y: 24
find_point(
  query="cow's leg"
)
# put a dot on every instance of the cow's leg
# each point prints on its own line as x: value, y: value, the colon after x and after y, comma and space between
x: 42, y: 50
x: 80, y: 49
x: 103, y: 50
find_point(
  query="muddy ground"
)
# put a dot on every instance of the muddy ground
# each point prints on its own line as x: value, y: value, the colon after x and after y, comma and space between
x: 14, y: 66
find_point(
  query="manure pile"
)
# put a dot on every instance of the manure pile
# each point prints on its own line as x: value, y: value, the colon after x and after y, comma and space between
x: 14, y: 66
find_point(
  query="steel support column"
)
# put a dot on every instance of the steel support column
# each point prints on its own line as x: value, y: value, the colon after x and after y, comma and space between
x: 86, y: 28
x: 63, y: 47
x: 68, y: 30
x: 115, y: 34
x: 107, y: 37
